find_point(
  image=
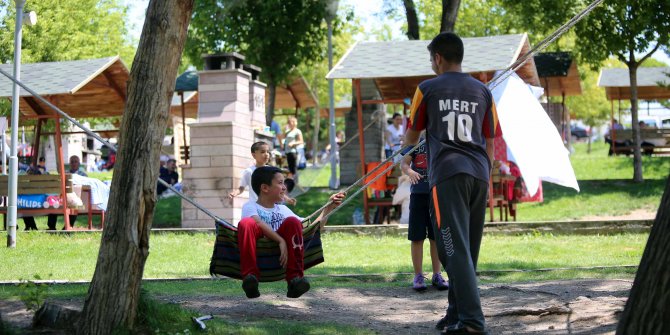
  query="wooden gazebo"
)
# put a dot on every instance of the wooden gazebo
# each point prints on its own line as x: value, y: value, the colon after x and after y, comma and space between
x: 81, y: 89
x: 397, y: 67
x: 559, y: 77
x: 652, y: 84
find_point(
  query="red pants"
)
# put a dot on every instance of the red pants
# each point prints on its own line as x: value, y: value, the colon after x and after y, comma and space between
x: 290, y: 230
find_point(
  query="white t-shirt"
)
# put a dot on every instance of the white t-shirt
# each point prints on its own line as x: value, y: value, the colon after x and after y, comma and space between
x: 272, y: 216
x: 246, y: 182
x: 395, y: 136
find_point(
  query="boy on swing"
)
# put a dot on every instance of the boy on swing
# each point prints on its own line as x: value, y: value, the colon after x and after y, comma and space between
x: 267, y: 217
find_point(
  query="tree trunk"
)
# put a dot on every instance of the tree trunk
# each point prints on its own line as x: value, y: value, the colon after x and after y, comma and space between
x: 648, y: 304
x: 412, y: 20
x: 637, y: 154
x: 449, y: 15
x: 115, y: 288
x: 270, y: 105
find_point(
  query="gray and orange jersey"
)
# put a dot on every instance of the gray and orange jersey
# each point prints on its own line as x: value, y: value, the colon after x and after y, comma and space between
x: 458, y: 113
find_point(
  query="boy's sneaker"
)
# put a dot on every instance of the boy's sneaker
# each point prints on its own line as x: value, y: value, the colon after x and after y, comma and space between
x: 439, y: 282
x: 297, y: 287
x: 418, y: 284
x: 250, y: 286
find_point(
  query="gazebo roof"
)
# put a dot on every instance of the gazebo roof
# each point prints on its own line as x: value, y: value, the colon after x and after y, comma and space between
x: 617, y: 83
x: 397, y: 67
x: 341, y: 107
x: 81, y: 88
x: 558, y: 74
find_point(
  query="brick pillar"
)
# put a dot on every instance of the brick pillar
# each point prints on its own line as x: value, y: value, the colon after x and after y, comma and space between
x: 219, y: 141
x: 256, y: 97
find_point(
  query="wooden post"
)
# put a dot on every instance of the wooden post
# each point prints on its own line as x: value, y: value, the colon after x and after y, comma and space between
x: 361, y: 142
x: 61, y: 171
x: 183, y: 127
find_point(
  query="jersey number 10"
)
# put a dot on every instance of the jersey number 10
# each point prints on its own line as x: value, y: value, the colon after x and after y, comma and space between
x: 461, y: 125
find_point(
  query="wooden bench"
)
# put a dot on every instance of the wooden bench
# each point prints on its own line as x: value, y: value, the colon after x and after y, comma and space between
x: 48, y: 184
x: 383, y: 204
x: 657, y: 138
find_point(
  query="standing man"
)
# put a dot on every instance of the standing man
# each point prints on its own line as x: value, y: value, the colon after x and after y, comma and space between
x: 460, y: 120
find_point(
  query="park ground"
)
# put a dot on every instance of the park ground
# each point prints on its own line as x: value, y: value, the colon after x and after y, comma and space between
x: 533, y: 283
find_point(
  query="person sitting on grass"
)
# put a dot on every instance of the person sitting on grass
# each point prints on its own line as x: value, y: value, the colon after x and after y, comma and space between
x: 260, y: 151
x: 266, y: 217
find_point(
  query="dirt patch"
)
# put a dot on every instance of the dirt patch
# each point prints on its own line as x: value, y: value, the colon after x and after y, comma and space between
x: 638, y: 214
x: 555, y: 307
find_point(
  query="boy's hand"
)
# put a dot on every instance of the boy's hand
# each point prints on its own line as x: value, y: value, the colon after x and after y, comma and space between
x: 283, y: 256
x: 290, y: 201
x: 232, y: 195
x: 336, y: 199
x: 414, y: 177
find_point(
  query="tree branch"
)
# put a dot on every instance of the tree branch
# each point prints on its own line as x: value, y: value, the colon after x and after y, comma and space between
x: 658, y: 45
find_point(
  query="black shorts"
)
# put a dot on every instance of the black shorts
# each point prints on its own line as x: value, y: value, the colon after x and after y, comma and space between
x: 420, y: 224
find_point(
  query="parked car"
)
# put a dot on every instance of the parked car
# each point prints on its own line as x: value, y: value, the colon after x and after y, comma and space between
x: 578, y: 132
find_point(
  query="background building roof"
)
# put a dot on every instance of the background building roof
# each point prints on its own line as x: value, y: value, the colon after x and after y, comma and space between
x: 397, y: 67
x: 558, y: 74
x: 81, y: 88
x: 617, y: 83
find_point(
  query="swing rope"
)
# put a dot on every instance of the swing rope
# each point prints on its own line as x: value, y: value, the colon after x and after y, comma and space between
x: 493, y: 83
x: 498, y: 79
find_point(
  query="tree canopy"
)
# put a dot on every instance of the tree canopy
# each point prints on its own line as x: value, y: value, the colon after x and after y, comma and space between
x: 68, y: 30
x: 276, y: 35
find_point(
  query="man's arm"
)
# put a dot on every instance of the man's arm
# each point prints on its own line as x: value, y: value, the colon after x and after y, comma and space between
x: 412, y: 136
x: 489, y: 149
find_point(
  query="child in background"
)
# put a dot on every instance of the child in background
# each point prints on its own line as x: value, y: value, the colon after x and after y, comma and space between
x: 420, y: 224
x: 266, y: 217
x: 260, y: 151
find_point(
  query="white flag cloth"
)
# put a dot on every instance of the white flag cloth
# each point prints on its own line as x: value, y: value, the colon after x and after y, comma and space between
x: 531, y: 137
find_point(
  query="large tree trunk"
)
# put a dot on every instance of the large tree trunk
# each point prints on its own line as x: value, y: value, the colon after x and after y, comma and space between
x: 412, y: 20
x: 648, y: 305
x: 114, y: 292
x: 637, y: 154
x: 449, y: 15
x: 270, y: 105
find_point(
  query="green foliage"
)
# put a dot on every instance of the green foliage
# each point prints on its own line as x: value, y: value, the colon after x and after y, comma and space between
x: 592, y: 106
x: 475, y: 18
x: 623, y: 28
x: 68, y: 30
x: 276, y: 35
x: 32, y: 294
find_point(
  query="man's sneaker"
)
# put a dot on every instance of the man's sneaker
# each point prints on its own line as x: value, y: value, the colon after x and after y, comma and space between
x: 439, y: 282
x: 297, y: 287
x: 418, y: 284
x: 250, y: 286
x: 442, y: 323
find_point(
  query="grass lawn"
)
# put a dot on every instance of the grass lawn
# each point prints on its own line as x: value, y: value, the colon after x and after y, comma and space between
x: 374, y: 262
x: 187, y: 255
x: 603, y: 181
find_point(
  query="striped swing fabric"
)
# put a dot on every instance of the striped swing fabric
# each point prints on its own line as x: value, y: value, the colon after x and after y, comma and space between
x: 226, y: 257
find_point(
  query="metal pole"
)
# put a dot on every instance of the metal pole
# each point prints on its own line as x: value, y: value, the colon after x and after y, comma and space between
x: 334, y: 179
x: 13, y: 156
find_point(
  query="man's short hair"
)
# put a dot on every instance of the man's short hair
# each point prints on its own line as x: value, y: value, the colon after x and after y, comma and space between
x: 449, y: 46
x: 172, y: 160
x: 257, y: 146
x: 263, y: 176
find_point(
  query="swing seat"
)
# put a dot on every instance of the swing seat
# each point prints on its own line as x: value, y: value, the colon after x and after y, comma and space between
x: 226, y: 257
